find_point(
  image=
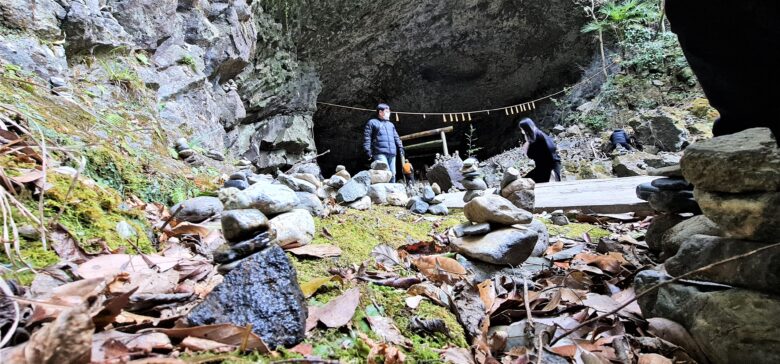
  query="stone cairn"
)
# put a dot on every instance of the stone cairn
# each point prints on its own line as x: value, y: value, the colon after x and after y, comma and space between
x: 431, y: 201
x: 472, y: 181
x: 187, y: 154
x: 498, y: 232
x: 737, y: 186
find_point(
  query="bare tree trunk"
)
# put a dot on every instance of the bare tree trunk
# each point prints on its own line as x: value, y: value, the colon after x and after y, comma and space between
x: 601, y: 38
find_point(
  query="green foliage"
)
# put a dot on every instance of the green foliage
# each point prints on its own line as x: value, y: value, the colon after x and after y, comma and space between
x: 122, y: 75
x: 619, y: 16
x: 595, y: 121
x: 471, y: 141
x: 189, y: 61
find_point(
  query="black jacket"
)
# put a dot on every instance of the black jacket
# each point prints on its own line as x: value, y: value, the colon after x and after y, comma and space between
x: 380, y: 137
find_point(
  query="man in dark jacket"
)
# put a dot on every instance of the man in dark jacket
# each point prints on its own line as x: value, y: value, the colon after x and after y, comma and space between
x: 619, y: 137
x: 380, y: 139
x: 541, y: 148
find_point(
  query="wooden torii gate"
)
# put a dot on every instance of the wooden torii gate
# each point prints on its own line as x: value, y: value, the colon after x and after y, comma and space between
x: 442, y: 140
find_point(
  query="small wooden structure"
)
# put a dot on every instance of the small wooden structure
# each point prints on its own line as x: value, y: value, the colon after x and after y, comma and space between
x: 424, y: 145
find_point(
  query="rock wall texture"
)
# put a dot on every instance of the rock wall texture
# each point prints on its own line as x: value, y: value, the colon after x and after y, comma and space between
x: 435, y: 56
x: 243, y: 76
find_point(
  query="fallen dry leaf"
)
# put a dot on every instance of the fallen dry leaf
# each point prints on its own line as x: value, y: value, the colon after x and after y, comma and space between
x: 429, y: 327
x: 111, y: 264
x: 653, y: 359
x: 188, y: 228
x: 423, y: 248
x: 488, y: 294
x: 386, y: 256
x: 311, y: 287
x: 316, y: 251
x: 385, y: 328
x: 435, y: 294
x: 198, y: 344
x: 456, y: 355
x: 133, y: 343
x: 676, y: 334
x: 68, y: 339
x: 440, y: 269
x: 29, y: 176
x: 303, y: 349
x: 65, y: 245
x: 336, y: 313
x: 63, y: 297
x: 224, y: 333
x: 388, y: 353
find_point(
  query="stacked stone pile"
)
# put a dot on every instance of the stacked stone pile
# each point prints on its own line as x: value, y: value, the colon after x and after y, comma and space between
x: 472, y: 181
x: 430, y: 201
x: 187, y: 154
x: 737, y: 185
x: 520, y: 191
x: 498, y: 232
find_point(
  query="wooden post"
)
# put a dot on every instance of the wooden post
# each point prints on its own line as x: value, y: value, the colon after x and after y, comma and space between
x: 444, y: 142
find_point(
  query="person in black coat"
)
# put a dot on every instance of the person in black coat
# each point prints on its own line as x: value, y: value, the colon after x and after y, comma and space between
x: 380, y: 139
x: 541, y: 148
x: 621, y: 138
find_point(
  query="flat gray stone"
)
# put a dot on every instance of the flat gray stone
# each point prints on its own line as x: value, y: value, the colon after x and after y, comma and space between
x: 495, y: 209
x: 748, y: 161
x: 238, y: 225
x: 507, y: 246
x: 198, y: 209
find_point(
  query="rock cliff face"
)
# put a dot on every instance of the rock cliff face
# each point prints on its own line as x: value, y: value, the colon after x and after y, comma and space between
x: 435, y: 56
x: 243, y: 77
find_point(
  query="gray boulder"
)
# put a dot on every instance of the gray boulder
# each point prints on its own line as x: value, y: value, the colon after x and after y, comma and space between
x: 748, y: 161
x: 477, y: 183
x: 658, y: 227
x: 751, y: 216
x: 296, y: 184
x: 731, y: 326
x: 380, y: 176
x: 270, y: 199
x: 446, y: 174
x: 472, y: 194
x: 672, y: 239
x: 760, y: 272
x: 633, y: 164
x: 495, y: 209
x: 309, y: 202
x: 238, y: 225
x: 427, y: 194
x: 417, y: 205
x: 355, y: 188
x: 262, y: 291
x: 380, y: 166
x: 362, y: 204
x: 388, y: 193
x: 521, y: 193
x: 147, y: 21
x: 292, y: 229
x: 30, y: 54
x: 198, y: 209
x: 507, y: 246
x: 663, y: 130
x: 336, y: 182
x: 543, y: 240
x: 439, y: 209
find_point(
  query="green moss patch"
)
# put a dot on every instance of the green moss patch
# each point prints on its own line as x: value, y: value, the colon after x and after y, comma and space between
x: 575, y: 230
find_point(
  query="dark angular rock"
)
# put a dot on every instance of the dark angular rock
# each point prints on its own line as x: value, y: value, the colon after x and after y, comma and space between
x: 417, y: 205
x: 658, y: 227
x: 474, y: 183
x: 262, y: 291
x: 446, y: 174
x: 198, y: 209
x: 355, y: 188
x: 672, y: 239
x: 439, y: 209
x: 675, y: 184
x: 674, y: 202
x: 226, y: 253
x: 236, y: 183
x: 507, y: 246
x: 238, y: 225
x: 309, y: 202
x: 469, y: 229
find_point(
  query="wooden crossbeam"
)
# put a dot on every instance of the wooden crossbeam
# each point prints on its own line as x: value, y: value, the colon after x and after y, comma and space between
x: 427, y: 133
x: 424, y: 145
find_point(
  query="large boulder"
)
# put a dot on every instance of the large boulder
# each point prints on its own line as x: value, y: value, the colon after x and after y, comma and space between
x: 292, y: 229
x: 760, y: 272
x: 271, y: 199
x: 446, y: 173
x: 662, y: 129
x: 495, y: 209
x: 380, y: 176
x: 748, y: 161
x: 417, y: 205
x: 30, y: 54
x: 388, y: 193
x: 672, y: 239
x: 147, y: 21
x: 633, y: 164
x: 507, y: 246
x: 309, y: 202
x: 262, y: 291
x: 751, y: 216
x: 731, y: 326
x: 197, y: 209
x: 355, y: 188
